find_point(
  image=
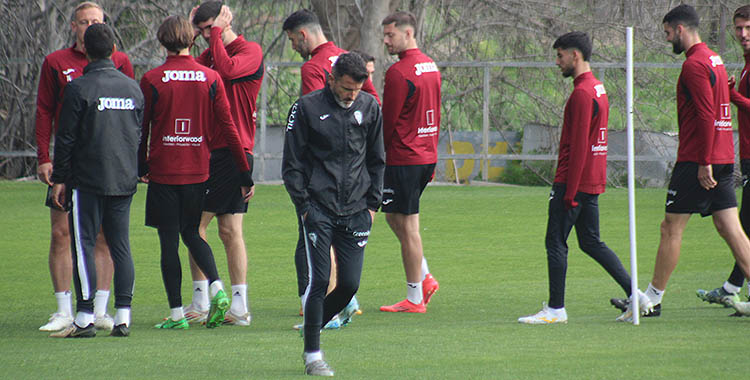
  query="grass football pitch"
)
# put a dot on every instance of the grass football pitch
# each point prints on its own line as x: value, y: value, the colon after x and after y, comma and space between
x: 484, y: 244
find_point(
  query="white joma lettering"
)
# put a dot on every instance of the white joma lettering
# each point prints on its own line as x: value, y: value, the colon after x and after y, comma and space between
x: 116, y: 104
x: 425, y: 67
x: 598, y: 148
x: 183, y: 76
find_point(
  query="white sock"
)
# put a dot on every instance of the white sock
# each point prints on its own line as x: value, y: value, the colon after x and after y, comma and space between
x: 200, y: 294
x: 729, y: 288
x: 215, y: 287
x: 556, y: 311
x: 100, y: 302
x: 313, y: 356
x: 84, y: 319
x: 239, y: 299
x: 64, y: 305
x: 414, y: 292
x: 122, y: 316
x: 654, y: 294
x: 176, y: 314
x: 425, y: 269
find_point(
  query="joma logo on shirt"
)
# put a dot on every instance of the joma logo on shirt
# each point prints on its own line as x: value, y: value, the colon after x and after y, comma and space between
x: 183, y: 76
x: 716, y: 60
x: 426, y: 67
x: 115, y: 104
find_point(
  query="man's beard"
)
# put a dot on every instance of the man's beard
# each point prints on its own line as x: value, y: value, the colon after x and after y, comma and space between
x: 677, y: 47
x: 567, y: 73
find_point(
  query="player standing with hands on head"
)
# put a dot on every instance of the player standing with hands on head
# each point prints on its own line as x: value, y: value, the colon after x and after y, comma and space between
x: 580, y: 177
x: 333, y: 170
x: 240, y: 64
x: 96, y: 174
x: 702, y: 180
x: 185, y: 103
x: 58, y: 69
x: 411, y: 124
x: 303, y: 30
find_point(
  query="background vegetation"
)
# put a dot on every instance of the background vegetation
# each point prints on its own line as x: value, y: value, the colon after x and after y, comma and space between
x: 451, y: 31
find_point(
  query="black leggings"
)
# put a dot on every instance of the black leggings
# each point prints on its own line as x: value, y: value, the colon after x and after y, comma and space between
x: 171, y: 270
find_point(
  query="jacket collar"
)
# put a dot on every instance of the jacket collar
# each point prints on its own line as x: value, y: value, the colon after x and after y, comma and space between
x: 99, y: 65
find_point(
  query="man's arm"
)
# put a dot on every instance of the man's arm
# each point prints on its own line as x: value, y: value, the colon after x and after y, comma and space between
x: 742, y: 103
x: 228, y: 129
x: 46, y: 105
x: 695, y: 78
x: 123, y: 64
x: 149, y: 97
x: 239, y: 65
x: 293, y: 163
x: 375, y: 161
x: 65, y: 140
x: 395, y: 92
x: 313, y: 78
x: 578, y: 115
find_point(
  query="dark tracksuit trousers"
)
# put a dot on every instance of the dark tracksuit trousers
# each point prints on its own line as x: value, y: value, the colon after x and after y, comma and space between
x: 736, y: 278
x: 111, y: 214
x: 348, y: 235
x: 300, y: 260
x: 175, y: 210
x: 585, y: 218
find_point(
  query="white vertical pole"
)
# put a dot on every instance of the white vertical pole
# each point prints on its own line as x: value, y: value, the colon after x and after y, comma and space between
x: 486, y: 125
x: 263, y: 110
x: 631, y: 178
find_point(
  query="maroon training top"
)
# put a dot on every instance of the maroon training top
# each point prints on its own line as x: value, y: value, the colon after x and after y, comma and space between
x: 315, y: 71
x: 411, y: 110
x: 741, y: 98
x: 240, y: 65
x: 582, y: 156
x: 184, y: 102
x: 59, y: 68
x: 703, y: 111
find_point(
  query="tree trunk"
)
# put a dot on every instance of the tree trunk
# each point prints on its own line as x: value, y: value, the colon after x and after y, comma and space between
x: 371, y: 37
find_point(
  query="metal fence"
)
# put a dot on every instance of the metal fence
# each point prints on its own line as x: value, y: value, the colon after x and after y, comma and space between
x: 262, y: 153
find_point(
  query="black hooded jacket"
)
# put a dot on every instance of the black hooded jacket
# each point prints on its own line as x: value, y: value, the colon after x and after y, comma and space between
x: 333, y: 156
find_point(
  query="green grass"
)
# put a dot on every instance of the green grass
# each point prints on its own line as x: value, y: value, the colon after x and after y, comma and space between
x: 484, y: 244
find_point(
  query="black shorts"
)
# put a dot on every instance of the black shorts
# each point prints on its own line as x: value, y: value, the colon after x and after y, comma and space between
x: 66, y: 206
x: 174, y: 205
x: 403, y: 185
x: 223, y: 193
x: 686, y: 196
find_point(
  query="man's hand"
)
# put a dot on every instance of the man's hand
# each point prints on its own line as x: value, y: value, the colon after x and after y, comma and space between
x: 247, y: 193
x: 372, y: 214
x: 732, y: 82
x: 144, y: 179
x: 706, y: 177
x: 224, y: 19
x: 570, y: 203
x: 58, y: 195
x: 196, y: 31
x: 44, y: 173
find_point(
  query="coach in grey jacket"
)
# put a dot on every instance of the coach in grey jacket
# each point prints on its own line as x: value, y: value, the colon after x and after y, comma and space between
x: 333, y: 170
x: 96, y: 172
